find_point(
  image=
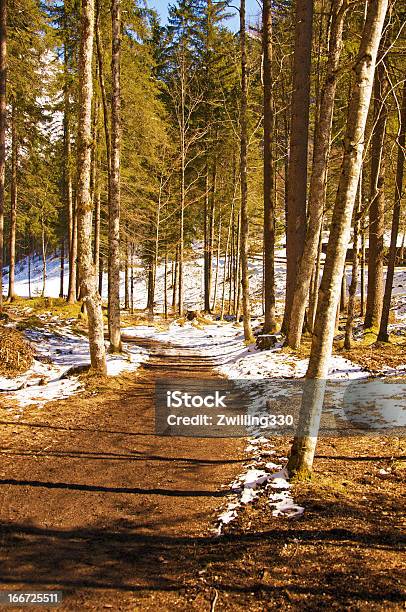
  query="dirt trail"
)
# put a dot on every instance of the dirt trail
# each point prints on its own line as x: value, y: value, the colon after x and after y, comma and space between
x: 94, y: 504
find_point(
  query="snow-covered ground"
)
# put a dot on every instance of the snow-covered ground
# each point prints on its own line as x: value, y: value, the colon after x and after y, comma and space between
x: 260, y: 476
x: 193, y: 279
x: 58, y: 349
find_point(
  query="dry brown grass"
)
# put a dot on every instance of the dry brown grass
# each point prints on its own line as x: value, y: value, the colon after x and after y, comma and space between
x: 16, y: 354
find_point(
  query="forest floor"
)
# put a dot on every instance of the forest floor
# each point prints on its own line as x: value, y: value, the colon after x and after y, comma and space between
x: 94, y: 504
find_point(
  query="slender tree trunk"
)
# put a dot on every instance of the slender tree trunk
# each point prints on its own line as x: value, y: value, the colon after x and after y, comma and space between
x: 3, y: 119
x: 103, y: 95
x: 114, y: 201
x: 354, y: 278
x: 216, y: 278
x: 298, y: 153
x: 244, y: 183
x: 207, y: 255
x: 166, y: 285
x: 227, y: 259
x: 72, y: 288
x: 44, y: 258
x: 97, y: 217
x: 87, y: 275
x: 383, y: 335
x: 29, y: 271
x: 232, y: 275
x: 317, y: 193
x: 96, y: 189
x: 132, y: 279
x: 377, y: 202
x: 175, y: 281
x: 62, y: 269
x: 315, y: 293
x: 237, y: 268
x: 13, y: 204
x: 67, y: 183
x: 343, y: 296
x: 269, y: 178
x: 304, y: 445
x: 100, y: 280
x: 181, y: 220
x: 100, y: 71
x: 126, y: 278
x: 213, y: 190
x: 363, y: 257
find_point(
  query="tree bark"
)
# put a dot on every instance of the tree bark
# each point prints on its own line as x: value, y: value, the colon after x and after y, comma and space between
x: 3, y: 120
x: 377, y: 202
x: 304, y: 445
x: 166, y: 285
x: 298, y: 152
x: 383, y: 335
x: 44, y: 256
x: 126, y: 278
x: 175, y: 280
x: 67, y: 181
x: 227, y: 257
x: 132, y: 279
x: 114, y: 201
x: 86, y: 266
x: 96, y: 246
x: 216, y: 277
x: 354, y: 277
x: 13, y: 204
x: 62, y: 269
x: 269, y: 178
x: 317, y: 194
x: 244, y: 183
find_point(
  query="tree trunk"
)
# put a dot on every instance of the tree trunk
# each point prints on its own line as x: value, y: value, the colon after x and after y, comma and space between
x: 207, y: 254
x: 354, y: 277
x: 304, y: 445
x: 87, y: 275
x: 383, y: 335
x: 62, y: 269
x: 166, y: 285
x: 3, y: 119
x: 96, y: 246
x: 244, y: 184
x: 182, y: 200
x: 298, y: 153
x: 377, y: 202
x: 175, y: 281
x: 363, y: 257
x: 44, y: 257
x: 315, y: 294
x: 343, y: 296
x: 269, y: 178
x: 227, y: 258
x: 114, y: 201
x: 101, y: 270
x: 67, y: 183
x: 72, y: 289
x: 126, y: 279
x: 216, y: 278
x: 132, y: 279
x: 317, y: 194
x: 13, y: 204
x: 29, y: 271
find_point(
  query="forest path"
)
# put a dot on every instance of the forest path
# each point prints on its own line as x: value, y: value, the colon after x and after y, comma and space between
x: 96, y: 505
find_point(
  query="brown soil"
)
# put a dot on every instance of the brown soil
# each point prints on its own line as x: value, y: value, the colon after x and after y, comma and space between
x: 94, y: 504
